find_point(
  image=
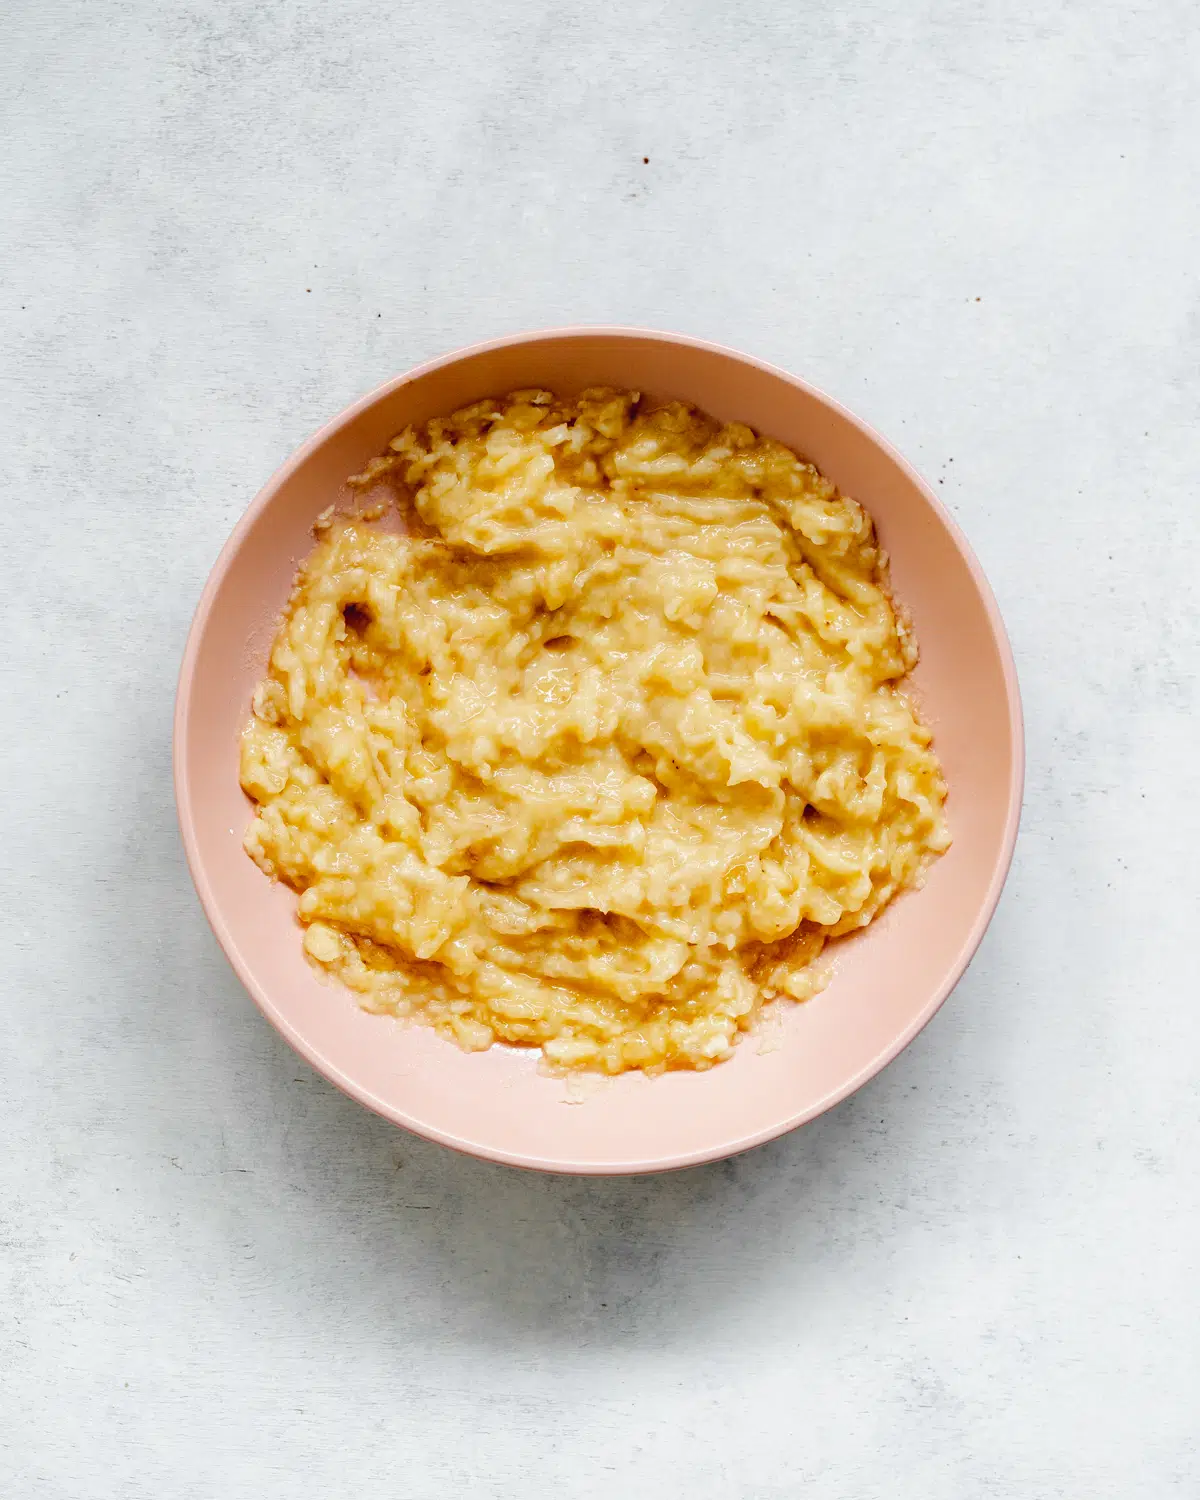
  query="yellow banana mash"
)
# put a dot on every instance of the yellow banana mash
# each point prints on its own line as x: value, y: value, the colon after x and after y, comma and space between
x: 599, y: 751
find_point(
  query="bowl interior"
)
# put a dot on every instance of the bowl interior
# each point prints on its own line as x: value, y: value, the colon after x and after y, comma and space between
x: 887, y: 981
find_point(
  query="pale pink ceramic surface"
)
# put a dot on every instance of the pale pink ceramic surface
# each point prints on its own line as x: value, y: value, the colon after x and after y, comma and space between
x: 888, y: 981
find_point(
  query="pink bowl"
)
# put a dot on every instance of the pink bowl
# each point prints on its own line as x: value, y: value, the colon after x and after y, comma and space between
x: 888, y: 981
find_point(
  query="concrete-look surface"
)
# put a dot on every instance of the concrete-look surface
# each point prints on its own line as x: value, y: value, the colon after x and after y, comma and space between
x: 976, y: 225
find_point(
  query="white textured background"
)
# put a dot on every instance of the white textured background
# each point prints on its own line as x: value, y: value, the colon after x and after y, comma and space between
x: 976, y: 223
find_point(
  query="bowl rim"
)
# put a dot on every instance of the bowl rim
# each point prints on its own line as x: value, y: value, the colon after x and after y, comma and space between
x: 186, y: 812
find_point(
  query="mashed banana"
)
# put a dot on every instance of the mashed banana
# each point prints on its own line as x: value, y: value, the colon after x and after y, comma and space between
x: 599, y: 752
